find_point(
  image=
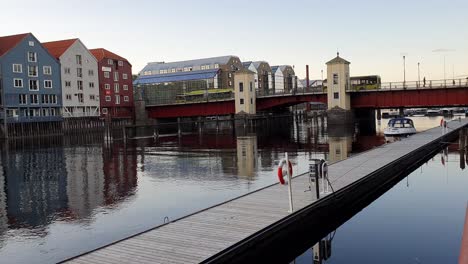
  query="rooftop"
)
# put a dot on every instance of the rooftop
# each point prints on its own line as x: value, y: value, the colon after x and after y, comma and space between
x: 101, y: 54
x: 9, y: 42
x: 57, y: 48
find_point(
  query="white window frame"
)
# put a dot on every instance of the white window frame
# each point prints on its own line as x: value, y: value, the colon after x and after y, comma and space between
x: 79, y: 72
x: 18, y: 79
x: 25, y: 97
x: 116, y: 87
x: 34, y: 57
x: 37, y: 82
x: 79, y: 59
x: 90, y: 72
x: 92, y: 97
x: 104, y: 111
x: 120, y: 63
x: 78, y: 86
x: 117, y: 99
x: 125, y: 87
x: 91, y: 84
x: 47, y: 70
x: 110, y: 62
x: 67, y: 83
x: 45, y: 84
x: 31, y: 43
x: 116, y: 76
x: 106, y: 74
x: 68, y: 97
x: 35, y: 96
x: 20, y: 68
x: 126, y: 98
x: 108, y: 98
x: 67, y: 70
x: 107, y: 86
x: 37, y: 71
x: 124, y: 76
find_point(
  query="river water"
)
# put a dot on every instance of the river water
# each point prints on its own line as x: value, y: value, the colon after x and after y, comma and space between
x: 64, y: 196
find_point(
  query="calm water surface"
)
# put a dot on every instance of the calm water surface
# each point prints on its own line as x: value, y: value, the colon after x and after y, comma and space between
x: 62, y: 197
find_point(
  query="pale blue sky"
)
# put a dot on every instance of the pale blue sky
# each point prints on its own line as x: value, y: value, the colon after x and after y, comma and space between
x: 372, y: 35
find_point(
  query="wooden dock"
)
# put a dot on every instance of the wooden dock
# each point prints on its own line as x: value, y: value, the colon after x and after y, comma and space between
x: 251, y: 223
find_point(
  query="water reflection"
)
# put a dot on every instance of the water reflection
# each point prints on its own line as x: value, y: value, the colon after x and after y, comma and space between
x: 247, y: 156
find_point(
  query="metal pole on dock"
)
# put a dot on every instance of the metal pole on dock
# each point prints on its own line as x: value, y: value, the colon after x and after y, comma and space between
x: 179, y: 129
x: 291, y: 208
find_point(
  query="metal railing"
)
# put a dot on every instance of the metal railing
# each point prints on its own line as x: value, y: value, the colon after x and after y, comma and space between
x: 427, y: 84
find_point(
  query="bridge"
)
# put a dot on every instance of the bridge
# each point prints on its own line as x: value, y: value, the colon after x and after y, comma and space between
x: 415, y: 94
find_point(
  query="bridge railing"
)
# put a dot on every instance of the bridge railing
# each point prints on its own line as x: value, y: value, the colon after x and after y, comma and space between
x: 294, y: 91
x: 428, y: 84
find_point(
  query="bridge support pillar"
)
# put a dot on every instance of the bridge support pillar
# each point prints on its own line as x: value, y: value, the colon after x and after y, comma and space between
x: 365, y: 118
x: 200, y: 124
x: 379, y: 114
x: 401, y: 112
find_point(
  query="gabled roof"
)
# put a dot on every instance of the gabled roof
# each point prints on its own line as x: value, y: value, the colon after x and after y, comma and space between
x: 101, y: 54
x: 9, y: 42
x: 157, y: 66
x: 57, y: 48
x: 281, y: 67
x: 338, y: 60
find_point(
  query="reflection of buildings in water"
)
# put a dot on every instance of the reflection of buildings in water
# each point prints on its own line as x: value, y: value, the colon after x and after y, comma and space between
x: 120, y: 174
x: 247, y: 155
x: 85, y: 181
x: 3, y: 206
x: 339, y: 148
x: 36, y: 186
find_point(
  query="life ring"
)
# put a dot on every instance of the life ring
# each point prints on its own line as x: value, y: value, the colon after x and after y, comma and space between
x: 280, y: 170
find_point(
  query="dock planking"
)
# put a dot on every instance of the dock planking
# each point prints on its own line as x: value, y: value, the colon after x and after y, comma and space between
x: 199, y: 236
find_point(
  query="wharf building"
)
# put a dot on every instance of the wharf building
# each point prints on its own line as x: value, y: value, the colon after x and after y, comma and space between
x: 115, y: 85
x: 30, y: 85
x: 80, y: 94
x: 263, y: 76
x: 188, y: 81
x: 284, y: 79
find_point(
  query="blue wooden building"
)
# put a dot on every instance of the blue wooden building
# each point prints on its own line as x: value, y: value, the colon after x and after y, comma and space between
x: 30, y: 86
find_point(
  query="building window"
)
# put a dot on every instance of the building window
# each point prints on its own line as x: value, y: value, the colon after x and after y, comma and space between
x: 230, y: 83
x: 126, y: 98
x: 80, y: 85
x: 23, y: 99
x: 91, y: 85
x: 335, y: 78
x: 80, y: 98
x: 92, y: 97
x: 251, y: 86
x: 251, y: 100
x: 124, y: 76
x: 17, y: 68
x: 229, y: 75
x: 78, y: 60
x: 125, y: 87
x: 116, y: 76
x: 52, y: 111
x: 104, y: 111
x: 108, y: 98
x: 117, y: 99
x: 45, y: 112
x: 172, y: 70
x: 67, y: 83
x: 242, y: 101
x: 90, y: 72
x: 32, y: 71
x: 120, y: 63
x: 241, y: 87
x: 47, y: 70
x: 107, y: 86
x: 67, y: 70
x: 68, y: 97
x: 216, y: 66
x: 33, y: 85
x: 47, y: 83
x: 336, y: 95
x: 79, y: 72
x: 109, y: 62
x: 106, y: 74
x: 116, y: 87
x: 32, y: 56
x: 18, y: 83
x: 33, y: 98
x: 31, y: 43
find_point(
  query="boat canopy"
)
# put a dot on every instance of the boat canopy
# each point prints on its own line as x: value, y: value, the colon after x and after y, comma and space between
x: 400, y: 122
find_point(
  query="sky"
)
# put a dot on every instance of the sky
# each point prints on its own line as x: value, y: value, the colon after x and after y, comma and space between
x: 373, y: 35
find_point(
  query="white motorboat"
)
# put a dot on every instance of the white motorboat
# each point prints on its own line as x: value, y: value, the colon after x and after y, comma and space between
x: 399, y: 127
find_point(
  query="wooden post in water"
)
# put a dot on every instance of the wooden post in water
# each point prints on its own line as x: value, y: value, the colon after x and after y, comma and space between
x: 217, y: 124
x: 179, y: 129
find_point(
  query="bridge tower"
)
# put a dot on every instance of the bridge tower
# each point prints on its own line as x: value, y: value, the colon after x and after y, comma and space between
x: 244, y: 92
x: 338, y: 81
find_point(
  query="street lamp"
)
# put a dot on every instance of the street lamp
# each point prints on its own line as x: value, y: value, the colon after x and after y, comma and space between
x: 419, y: 77
x: 404, y: 72
x: 322, y: 79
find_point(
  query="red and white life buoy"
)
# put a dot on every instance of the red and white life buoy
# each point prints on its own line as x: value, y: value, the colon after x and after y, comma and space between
x: 282, y: 174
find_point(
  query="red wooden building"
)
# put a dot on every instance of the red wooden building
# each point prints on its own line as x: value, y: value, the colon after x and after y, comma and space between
x: 115, y: 84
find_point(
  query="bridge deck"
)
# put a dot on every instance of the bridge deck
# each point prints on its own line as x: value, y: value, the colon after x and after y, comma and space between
x: 199, y: 236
